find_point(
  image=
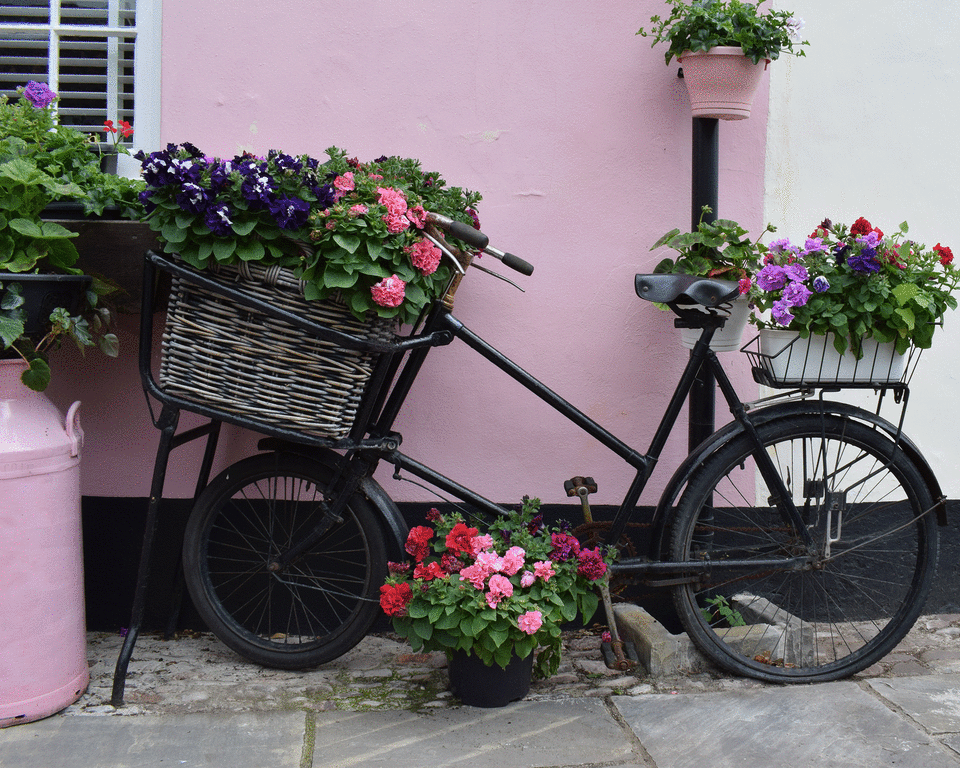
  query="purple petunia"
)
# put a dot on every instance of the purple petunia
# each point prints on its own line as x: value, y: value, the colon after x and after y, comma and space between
x: 821, y: 284
x: 39, y: 94
x: 217, y: 219
x: 864, y: 262
x: 772, y: 277
x: 796, y: 294
x: 193, y: 198
x: 781, y: 312
x: 289, y: 212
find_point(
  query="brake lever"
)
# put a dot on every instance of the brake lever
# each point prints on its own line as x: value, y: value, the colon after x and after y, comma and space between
x: 474, y: 265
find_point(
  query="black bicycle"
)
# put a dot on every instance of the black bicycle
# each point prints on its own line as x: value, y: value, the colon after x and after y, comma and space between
x: 800, y: 540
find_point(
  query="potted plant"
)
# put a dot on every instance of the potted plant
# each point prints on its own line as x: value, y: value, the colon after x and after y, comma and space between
x: 724, y: 47
x: 722, y: 249
x: 490, y: 596
x: 856, y: 287
x: 341, y: 243
x: 44, y: 294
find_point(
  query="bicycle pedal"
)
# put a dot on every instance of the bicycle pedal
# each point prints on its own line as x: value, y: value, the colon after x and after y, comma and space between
x: 629, y: 660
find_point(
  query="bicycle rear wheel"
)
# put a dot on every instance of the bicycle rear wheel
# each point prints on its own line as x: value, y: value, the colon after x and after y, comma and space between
x: 309, y: 613
x: 875, y: 540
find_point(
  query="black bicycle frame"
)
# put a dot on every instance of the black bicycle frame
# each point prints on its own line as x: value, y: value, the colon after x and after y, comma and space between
x: 644, y: 463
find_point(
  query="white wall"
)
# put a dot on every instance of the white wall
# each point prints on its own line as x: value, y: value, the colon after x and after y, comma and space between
x: 866, y: 125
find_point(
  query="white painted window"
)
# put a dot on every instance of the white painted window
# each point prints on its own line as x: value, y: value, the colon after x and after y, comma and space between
x: 101, y: 56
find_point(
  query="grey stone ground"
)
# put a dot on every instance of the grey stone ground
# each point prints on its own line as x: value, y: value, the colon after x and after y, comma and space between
x: 191, y: 702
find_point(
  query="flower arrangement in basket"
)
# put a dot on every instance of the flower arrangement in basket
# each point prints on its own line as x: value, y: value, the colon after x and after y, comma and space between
x: 347, y: 229
x: 496, y: 594
x: 857, y: 284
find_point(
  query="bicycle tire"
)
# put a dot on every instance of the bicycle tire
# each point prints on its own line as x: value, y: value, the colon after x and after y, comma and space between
x: 861, y: 595
x: 314, y: 610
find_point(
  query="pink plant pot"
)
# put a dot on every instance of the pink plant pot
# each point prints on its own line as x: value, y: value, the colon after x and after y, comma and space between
x: 43, y: 664
x: 721, y: 82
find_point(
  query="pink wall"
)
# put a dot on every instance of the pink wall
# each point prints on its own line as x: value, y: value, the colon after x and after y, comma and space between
x: 579, y: 139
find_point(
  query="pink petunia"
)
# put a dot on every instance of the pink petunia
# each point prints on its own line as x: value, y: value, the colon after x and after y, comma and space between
x: 513, y: 560
x: 530, y: 622
x: 344, y: 182
x: 396, y: 222
x: 500, y: 588
x: 527, y: 579
x: 389, y: 292
x: 482, y: 543
x: 543, y: 569
x: 425, y: 256
x: 393, y: 199
x: 475, y: 574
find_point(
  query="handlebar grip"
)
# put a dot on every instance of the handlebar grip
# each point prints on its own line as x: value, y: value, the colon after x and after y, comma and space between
x: 518, y: 264
x: 470, y: 235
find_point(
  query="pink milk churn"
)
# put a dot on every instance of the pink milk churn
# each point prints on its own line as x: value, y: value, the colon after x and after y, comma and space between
x: 43, y: 665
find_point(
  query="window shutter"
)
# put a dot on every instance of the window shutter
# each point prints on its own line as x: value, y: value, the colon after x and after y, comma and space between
x: 84, y: 50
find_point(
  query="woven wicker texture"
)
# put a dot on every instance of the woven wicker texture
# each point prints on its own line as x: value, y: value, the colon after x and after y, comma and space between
x: 221, y: 354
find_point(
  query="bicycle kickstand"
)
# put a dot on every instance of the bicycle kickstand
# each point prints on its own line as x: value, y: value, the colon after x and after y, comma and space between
x: 616, y: 654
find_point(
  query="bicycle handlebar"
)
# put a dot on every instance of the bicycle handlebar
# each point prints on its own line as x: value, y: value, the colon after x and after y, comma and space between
x: 475, y: 238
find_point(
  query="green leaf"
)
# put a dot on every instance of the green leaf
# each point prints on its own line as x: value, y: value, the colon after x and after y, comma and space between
x: 249, y: 249
x: 336, y: 277
x: 224, y: 249
x: 349, y: 243
x: 11, y: 329
x: 37, y: 376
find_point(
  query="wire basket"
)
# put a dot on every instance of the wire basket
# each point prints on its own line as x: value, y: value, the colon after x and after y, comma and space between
x: 220, y: 353
x: 783, y: 359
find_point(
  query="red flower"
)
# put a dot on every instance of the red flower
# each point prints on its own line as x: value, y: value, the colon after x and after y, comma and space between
x: 946, y: 255
x: 428, y: 571
x: 108, y: 126
x: 416, y: 544
x: 590, y: 564
x: 433, y: 515
x: 459, y: 540
x: 394, y: 598
x: 565, y: 546
x: 126, y: 130
x: 861, y: 227
x: 450, y: 563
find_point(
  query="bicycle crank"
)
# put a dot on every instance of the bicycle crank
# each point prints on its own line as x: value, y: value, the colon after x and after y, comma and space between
x: 617, y: 654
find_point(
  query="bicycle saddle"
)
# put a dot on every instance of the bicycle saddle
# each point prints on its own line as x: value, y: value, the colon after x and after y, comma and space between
x: 671, y: 287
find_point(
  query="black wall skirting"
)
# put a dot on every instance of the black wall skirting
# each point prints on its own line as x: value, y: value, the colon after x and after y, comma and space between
x: 113, y: 533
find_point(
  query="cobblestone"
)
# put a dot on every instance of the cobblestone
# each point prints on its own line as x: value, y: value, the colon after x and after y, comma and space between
x: 194, y: 672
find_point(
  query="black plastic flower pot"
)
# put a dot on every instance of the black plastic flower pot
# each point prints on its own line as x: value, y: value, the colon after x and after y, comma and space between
x: 44, y: 293
x: 478, y: 685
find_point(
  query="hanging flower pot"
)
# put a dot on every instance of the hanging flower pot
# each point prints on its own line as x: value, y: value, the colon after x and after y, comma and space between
x: 728, y: 338
x: 479, y: 685
x: 721, y: 82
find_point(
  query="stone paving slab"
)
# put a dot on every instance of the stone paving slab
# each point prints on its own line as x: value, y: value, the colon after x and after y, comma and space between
x: 934, y: 702
x: 250, y: 740
x: 830, y: 725
x: 570, y: 732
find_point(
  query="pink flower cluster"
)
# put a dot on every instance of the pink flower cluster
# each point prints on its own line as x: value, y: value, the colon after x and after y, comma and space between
x: 490, y: 571
x: 425, y: 256
x: 389, y: 292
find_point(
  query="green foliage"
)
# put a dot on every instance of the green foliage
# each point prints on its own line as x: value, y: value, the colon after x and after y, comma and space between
x: 717, y: 248
x: 704, y: 24
x: 721, y: 610
x: 42, y: 162
x: 448, y: 599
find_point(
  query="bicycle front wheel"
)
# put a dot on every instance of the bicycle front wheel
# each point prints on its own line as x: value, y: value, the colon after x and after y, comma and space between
x: 861, y: 586
x: 308, y: 613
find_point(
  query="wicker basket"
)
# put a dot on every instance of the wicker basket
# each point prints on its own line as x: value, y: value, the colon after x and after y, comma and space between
x: 227, y: 356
